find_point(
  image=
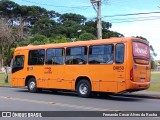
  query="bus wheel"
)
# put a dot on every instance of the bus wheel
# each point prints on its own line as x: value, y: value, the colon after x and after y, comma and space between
x: 83, y: 88
x: 32, y: 87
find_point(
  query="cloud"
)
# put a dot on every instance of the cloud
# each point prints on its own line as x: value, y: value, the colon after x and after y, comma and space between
x: 148, y: 29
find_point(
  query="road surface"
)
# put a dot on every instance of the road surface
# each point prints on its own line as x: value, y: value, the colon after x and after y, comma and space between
x: 19, y: 99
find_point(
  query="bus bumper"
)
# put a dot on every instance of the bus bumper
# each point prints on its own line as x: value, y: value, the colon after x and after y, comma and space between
x: 136, y: 86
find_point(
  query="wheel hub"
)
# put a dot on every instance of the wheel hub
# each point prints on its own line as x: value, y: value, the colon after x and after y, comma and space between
x: 32, y: 85
x: 83, y: 88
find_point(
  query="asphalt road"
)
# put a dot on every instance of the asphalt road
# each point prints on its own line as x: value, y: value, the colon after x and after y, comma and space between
x: 17, y: 99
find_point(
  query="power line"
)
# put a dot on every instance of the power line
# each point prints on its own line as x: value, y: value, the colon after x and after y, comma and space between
x: 117, y: 2
x: 122, y: 15
x: 120, y: 20
x: 116, y: 15
x: 54, y: 5
x: 136, y: 20
x: 74, y: 9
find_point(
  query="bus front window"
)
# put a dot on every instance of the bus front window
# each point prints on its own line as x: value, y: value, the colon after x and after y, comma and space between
x: 18, y: 63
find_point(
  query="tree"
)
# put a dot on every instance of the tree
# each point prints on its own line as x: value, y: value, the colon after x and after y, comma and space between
x: 30, y: 14
x: 8, y: 37
x: 152, y: 50
x: 74, y: 17
x: 87, y: 36
x: 39, y: 40
x: 70, y: 29
x: 45, y: 26
x: 106, y: 25
x: 109, y: 34
x: 141, y: 38
x: 60, y: 39
x: 153, y: 65
x: 91, y: 27
x: 8, y: 8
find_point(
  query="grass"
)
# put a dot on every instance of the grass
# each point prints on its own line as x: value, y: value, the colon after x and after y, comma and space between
x: 155, y: 75
x: 2, y: 83
x: 155, y: 84
x: 155, y: 87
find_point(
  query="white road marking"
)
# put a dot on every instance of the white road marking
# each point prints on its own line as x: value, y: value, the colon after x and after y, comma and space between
x: 57, y: 104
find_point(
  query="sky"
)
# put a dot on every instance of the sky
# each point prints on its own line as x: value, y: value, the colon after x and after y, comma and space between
x: 145, y: 25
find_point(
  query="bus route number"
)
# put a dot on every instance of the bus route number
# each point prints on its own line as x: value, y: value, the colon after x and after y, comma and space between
x: 119, y: 68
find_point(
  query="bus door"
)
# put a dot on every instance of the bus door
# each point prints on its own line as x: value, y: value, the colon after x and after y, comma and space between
x: 141, y: 68
x: 101, y: 61
x: 120, y: 66
x: 36, y: 67
x: 18, y: 74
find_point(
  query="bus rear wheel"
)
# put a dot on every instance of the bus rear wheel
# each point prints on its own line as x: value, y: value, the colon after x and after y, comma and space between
x: 32, y: 85
x: 83, y: 88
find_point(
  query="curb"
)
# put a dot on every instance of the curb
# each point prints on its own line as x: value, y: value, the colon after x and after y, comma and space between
x: 6, y: 86
x: 149, y: 96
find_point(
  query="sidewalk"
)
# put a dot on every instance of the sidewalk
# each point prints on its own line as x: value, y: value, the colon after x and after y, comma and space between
x: 142, y: 94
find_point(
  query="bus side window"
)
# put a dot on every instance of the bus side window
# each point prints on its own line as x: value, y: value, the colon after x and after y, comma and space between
x: 119, y: 53
x: 109, y: 53
x: 36, y: 57
x: 76, y: 55
x: 55, y: 56
x: 101, y: 54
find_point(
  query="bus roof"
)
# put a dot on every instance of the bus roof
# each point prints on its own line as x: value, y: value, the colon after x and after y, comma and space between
x: 78, y: 43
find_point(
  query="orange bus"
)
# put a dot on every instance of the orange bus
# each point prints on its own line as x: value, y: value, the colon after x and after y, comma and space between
x: 114, y: 65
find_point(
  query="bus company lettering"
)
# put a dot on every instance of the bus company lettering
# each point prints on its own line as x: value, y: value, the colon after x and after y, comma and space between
x: 48, y: 70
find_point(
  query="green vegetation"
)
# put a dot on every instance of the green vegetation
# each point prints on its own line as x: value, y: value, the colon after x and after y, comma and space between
x: 155, y: 82
x: 87, y: 36
x: 155, y: 75
x: 23, y: 25
x: 155, y: 87
x: 2, y: 83
x: 50, y: 24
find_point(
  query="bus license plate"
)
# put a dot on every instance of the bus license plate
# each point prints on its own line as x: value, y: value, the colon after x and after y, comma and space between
x: 142, y: 79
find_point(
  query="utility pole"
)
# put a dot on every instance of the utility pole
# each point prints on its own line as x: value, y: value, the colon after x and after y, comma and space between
x: 97, y: 6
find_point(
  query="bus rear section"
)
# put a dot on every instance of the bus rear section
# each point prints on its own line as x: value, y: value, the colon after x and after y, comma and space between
x: 140, y: 67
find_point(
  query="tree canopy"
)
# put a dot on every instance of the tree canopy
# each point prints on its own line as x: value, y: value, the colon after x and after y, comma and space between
x: 38, y: 20
x: 43, y: 26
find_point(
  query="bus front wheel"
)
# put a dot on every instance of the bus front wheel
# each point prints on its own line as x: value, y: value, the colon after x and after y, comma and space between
x: 32, y: 86
x: 83, y: 88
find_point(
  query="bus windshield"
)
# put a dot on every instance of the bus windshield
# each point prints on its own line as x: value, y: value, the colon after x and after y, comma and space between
x: 141, y: 50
